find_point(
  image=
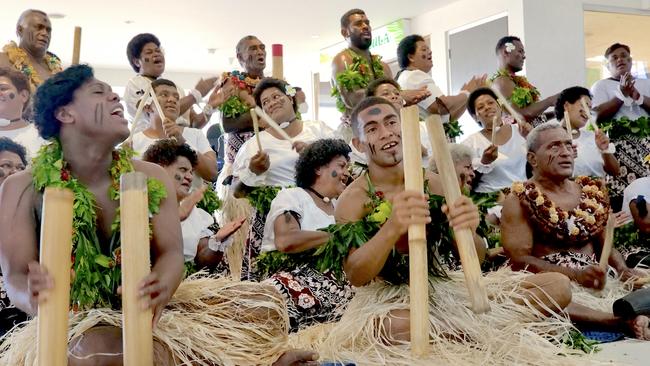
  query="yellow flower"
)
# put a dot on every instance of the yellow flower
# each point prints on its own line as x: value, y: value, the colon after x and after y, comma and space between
x: 539, y: 200
x: 591, y: 202
x: 574, y: 231
x: 580, y: 213
x: 600, y: 210
x: 518, y: 187
x: 590, y: 219
x: 554, y: 218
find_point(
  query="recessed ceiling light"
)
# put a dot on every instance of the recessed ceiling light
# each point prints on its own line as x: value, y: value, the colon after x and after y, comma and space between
x: 129, y: 21
x: 212, y: 50
x: 56, y: 16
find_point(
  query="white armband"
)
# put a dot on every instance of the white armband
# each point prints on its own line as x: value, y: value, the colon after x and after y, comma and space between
x: 219, y: 246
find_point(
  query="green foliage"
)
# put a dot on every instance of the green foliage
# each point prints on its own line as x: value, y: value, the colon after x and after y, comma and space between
x: 452, y: 129
x: 97, y: 273
x: 210, y: 201
x: 624, y: 126
x: 261, y: 197
x: 356, y: 76
x: 577, y: 340
x: 233, y: 107
x: 522, y: 97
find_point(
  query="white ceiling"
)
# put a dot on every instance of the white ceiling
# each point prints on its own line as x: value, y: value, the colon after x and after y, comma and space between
x: 187, y: 29
x: 604, y: 29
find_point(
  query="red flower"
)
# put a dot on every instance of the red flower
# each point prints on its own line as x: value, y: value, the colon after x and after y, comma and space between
x: 65, y: 175
x: 379, y: 195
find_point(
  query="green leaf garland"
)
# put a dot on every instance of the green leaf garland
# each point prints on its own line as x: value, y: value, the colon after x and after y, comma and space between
x: 624, y: 126
x: 356, y: 76
x: 97, y: 270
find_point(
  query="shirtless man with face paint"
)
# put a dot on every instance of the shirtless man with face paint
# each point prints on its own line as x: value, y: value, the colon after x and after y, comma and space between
x: 571, y: 242
x: 34, y: 32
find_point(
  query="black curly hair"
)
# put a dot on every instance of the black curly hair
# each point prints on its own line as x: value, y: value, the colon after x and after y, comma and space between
x: 165, y: 152
x: 317, y: 154
x: 267, y: 83
x: 7, y: 144
x: 55, y: 92
x: 135, y: 46
x: 570, y: 95
x: 471, y: 100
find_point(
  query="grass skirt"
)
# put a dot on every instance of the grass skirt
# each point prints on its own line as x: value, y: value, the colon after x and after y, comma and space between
x: 208, y: 321
x: 511, y: 333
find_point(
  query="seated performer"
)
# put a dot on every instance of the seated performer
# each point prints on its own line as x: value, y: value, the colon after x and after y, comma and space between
x: 623, y: 96
x: 389, y: 89
x: 414, y: 58
x: 524, y: 97
x: 376, y: 261
x: 636, y: 249
x: 165, y: 127
x: 147, y: 59
x: 553, y: 224
x: 203, y: 242
x: 595, y: 152
x: 31, y: 56
x: 292, y: 227
x: 462, y: 157
x: 15, y: 95
x: 84, y: 120
x: 499, y: 157
x: 274, y: 166
x: 12, y: 160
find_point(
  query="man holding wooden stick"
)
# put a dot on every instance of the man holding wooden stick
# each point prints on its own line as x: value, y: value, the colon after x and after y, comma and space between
x: 553, y: 224
x: 84, y: 120
x: 377, y: 207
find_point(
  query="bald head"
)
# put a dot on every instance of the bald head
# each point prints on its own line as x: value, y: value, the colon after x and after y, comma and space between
x: 34, y: 31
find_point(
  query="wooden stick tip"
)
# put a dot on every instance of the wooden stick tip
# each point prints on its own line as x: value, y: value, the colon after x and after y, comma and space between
x: 133, y: 181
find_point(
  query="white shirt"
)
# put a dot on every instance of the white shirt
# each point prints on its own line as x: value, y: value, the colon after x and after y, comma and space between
x: 135, y: 89
x: 590, y: 160
x: 193, y: 137
x: 606, y: 89
x: 640, y: 187
x: 415, y: 79
x: 195, y: 228
x: 28, y: 137
x: 311, y: 217
x: 509, y: 167
x: 282, y: 157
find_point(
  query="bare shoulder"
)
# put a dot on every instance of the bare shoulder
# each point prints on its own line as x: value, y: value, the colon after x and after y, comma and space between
x: 504, y: 84
x: 434, y: 183
x: 4, y: 60
x: 15, y: 187
x: 387, y: 72
x: 150, y: 169
x: 340, y: 60
x: 351, y: 205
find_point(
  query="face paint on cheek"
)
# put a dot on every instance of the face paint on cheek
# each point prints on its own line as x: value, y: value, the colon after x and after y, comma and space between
x: 147, y: 59
x: 178, y: 177
x: 12, y: 96
x: 550, y: 159
x: 334, y: 174
x: 373, y: 149
x: 99, y: 114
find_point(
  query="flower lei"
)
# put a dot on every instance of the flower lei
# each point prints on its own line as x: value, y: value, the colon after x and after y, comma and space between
x: 20, y: 60
x: 624, y: 126
x: 356, y: 76
x: 97, y: 272
x: 577, y: 225
x: 524, y: 93
x: 234, y: 106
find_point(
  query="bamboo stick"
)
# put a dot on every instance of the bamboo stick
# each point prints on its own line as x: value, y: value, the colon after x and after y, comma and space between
x: 316, y: 94
x: 55, y: 253
x: 134, y: 218
x: 464, y: 237
x: 278, y: 67
x: 256, y: 128
x: 76, y: 48
x: 418, y: 271
x: 588, y: 110
x: 494, y: 130
x: 274, y: 125
x: 138, y: 113
x: 516, y: 115
x: 567, y: 122
x: 609, y: 241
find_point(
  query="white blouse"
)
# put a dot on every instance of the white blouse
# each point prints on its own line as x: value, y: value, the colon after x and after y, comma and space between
x: 282, y: 157
x: 640, y: 187
x: 195, y: 228
x: 311, y: 217
x: 509, y: 167
x: 589, y: 161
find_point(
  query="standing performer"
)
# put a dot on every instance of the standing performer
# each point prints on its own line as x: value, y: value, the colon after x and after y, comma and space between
x: 85, y: 120
x: 31, y: 56
x: 524, y: 96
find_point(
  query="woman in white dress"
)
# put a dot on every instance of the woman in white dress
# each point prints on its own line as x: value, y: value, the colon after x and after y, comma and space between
x: 292, y: 226
x: 595, y: 152
x: 500, y: 156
